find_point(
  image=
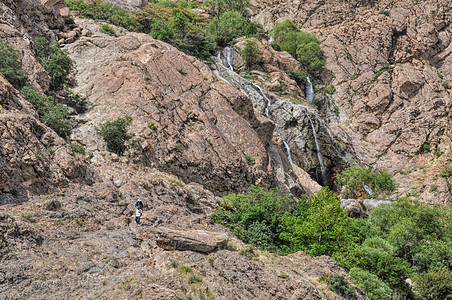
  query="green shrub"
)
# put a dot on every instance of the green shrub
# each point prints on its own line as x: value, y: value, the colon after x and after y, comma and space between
x: 77, y: 102
x: 251, y: 30
x: 248, y: 252
x: 251, y: 54
x: 374, y: 288
x: 228, y: 26
x: 256, y: 209
x: 434, y: 256
x: 107, y: 29
x: 330, y: 89
x: 310, y: 55
x: 51, y: 114
x: 438, y: 152
x: 219, y: 7
x: 356, y: 177
x: 338, y: 284
x: 11, y: 65
x: 318, y: 226
x: 77, y: 148
x: 115, y: 134
x: 434, y: 285
x: 56, y: 62
x: 298, y: 75
x: 301, y: 45
x: 446, y: 171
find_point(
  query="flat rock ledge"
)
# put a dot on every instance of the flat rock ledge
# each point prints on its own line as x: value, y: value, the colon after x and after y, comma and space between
x: 194, y: 240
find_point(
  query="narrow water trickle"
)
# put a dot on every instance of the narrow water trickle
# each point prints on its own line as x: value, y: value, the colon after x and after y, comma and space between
x: 289, y: 156
x: 319, y: 154
x: 266, y: 111
x: 309, y: 90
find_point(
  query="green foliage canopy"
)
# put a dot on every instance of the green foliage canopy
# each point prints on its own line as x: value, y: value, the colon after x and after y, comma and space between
x: 11, y: 65
x: 115, y: 134
x: 56, y: 62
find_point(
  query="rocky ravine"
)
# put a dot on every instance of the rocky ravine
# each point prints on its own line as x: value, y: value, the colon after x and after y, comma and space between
x: 65, y: 219
x: 391, y: 65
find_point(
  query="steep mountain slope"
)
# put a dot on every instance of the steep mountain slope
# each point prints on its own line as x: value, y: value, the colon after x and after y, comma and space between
x: 390, y: 62
x: 65, y: 219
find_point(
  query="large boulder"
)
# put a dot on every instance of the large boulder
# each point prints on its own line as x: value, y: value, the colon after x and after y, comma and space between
x: 194, y: 240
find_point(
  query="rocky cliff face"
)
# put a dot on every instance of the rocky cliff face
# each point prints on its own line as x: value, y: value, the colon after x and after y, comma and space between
x: 390, y: 63
x: 73, y: 236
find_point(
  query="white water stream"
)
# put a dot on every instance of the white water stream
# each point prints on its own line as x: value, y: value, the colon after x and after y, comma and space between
x: 309, y: 90
x: 319, y: 154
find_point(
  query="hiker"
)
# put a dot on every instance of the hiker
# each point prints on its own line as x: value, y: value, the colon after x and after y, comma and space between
x: 138, y: 214
x: 139, y: 204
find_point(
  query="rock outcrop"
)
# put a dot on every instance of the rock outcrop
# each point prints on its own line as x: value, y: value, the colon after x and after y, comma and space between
x: 390, y: 63
x: 193, y: 240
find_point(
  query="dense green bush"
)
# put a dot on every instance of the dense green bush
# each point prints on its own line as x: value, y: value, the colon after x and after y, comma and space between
x: 374, y: 288
x: 298, y: 75
x: 219, y: 7
x: 51, y: 114
x: 253, y: 215
x: 251, y: 54
x: 318, y: 225
x: 400, y: 240
x: 228, y: 26
x: 11, y: 65
x: 115, y: 134
x: 356, y: 177
x: 434, y: 285
x: 56, y: 62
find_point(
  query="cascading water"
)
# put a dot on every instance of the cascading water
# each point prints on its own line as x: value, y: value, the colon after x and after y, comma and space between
x: 309, y: 90
x: 319, y: 154
x: 267, y: 114
x: 250, y: 89
x: 270, y: 40
x: 229, y: 56
x: 266, y: 111
x: 289, y: 156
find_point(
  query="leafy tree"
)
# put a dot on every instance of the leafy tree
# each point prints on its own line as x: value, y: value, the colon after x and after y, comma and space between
x: 115, y: 134
x: 254, y: 217
x: 310, y: 56
x: 318, y: 226
x: 56, y: 62
x: 301, y: 45
x: 11, y: 65
x: 374, y: 288
x: 228, y: 26
x: 251, y: 54
x: 219, y: 7
x: 356, y: 177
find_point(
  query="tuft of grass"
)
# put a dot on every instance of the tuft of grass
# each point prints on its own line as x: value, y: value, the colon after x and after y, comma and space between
x: 249, y: 160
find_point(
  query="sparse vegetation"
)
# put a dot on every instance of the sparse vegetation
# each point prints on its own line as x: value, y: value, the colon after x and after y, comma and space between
x: 107, y: 29
x: 329, y: 89
x: 77, y: 148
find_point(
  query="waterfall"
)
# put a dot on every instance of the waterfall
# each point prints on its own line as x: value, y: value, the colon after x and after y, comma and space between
x: 309, y: 90
x: 249, y: 88
x: 229, y: 56
x: 270, y: 40
x: 267, y: 114
x: 319, y: 154
x: 289, y: 156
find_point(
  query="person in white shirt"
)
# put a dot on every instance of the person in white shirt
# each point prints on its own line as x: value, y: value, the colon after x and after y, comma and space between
x: 138, y: 214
